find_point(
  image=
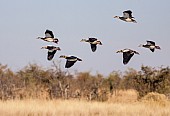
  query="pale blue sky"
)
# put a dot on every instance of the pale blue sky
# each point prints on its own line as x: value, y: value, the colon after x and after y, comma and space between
x: 22, y: 21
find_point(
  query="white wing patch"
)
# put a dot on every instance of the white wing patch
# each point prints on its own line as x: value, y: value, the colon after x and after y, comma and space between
x: 47, y: 35
x: 72, y: 59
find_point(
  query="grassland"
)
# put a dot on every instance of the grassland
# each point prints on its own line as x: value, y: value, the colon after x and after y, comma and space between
x: 128, y: 107
x: 81, y: 108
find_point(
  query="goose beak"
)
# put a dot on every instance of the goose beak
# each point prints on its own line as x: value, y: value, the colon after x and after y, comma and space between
x: 82, y: 40
x: 62, y: 56
x: 140, y: 45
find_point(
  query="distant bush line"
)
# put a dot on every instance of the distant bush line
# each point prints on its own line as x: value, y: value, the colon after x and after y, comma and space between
x: 36, y: 82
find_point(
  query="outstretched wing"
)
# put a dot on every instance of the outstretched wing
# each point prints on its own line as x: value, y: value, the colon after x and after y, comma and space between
x: 152, y: 49
x: 69, y: 63
x: 92, y: 39
x: 51, y: 54
x: 127, y: 56
x: 49, y: 33
x: 127, y: 14
x: 93, y: 47
x: 150, y: 43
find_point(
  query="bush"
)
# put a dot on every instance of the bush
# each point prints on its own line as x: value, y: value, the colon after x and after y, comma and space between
x: 34, y: 81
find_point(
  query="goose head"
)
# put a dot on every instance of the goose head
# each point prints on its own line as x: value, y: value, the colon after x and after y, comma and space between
x: 44, y: 47
x: 99, y: 42
x: 116, y: 17
x: 157, y: 47
x: 136, y: 52
x: 141, y: 45
x: 57, y: 48
x: 62, y: 56
x: 55, y: 40
x: 119, y: 51
x: 134, y: 21
x: 83, y: 40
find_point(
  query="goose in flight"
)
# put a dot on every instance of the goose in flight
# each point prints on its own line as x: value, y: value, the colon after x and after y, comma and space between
x: 151, y: 45
x: 127, y: 16
x: 51, y: 51
x: 49, y: 37
x: 93, y: 43
x: 127, y: 54
x: 70, y: 60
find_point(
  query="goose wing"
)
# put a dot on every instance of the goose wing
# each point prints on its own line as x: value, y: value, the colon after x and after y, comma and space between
x: 127, y: 14
x: 92, y: 39
x: 152, y: 49
x: 127, y: 56
x: 51, y: 54
x: 70, y: 61
x: 69, y: 64
x: 93, y: 47
x: 150, y: 43
x: 49, y: 33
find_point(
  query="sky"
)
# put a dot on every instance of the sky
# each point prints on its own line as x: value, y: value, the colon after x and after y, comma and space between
x: 22, y: 21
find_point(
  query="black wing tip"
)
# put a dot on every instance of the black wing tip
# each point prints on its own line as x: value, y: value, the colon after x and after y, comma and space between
x: 49, y: 59
x: 93, y: 47
x: 66, y: 66
x: 150, y: 41
x: 47, y: 30
x: 127, y: 11
x: 93, y: 50
x: 152, y: 50
x: 125, y: 63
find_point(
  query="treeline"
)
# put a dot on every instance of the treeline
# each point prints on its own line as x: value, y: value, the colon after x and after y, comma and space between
x: 35, y: 82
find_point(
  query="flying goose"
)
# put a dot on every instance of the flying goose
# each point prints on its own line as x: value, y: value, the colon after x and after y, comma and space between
x: 93, y: 43
x: 49, y: 37
x: 127, y: 17
x: 51, y: 51
x: 151, y: 45
x: 70, y: 60
x: 127, y: 54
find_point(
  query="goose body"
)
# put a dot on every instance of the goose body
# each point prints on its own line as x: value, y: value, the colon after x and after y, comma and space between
x: 49, y: 37
x: 127, y: 54
x: 127, y: 17
x: 51, y: 51
x: 93, y: 43
x: 151, y: 45
x: 70, y: 60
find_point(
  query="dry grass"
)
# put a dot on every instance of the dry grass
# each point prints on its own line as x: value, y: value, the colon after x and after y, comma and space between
x: 83, y: 108
x: 124, y: 96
